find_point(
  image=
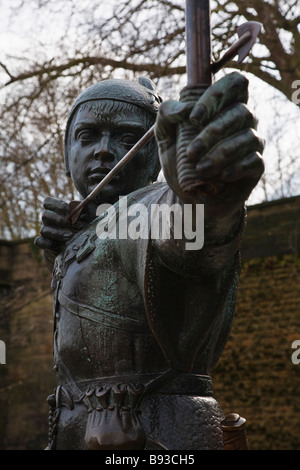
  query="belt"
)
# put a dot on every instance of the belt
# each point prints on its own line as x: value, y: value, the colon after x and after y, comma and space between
x: 166, y: 383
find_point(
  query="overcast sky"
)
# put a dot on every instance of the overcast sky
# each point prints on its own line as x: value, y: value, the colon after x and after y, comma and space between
x: 20, y: 32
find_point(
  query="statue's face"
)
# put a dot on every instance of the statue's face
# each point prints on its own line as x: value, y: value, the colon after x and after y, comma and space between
x: 101, y: 133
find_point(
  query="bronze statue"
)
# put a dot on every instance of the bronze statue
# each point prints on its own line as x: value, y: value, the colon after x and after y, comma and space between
x: 140, y: 323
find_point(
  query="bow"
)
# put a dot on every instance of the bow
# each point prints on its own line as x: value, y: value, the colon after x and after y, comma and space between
x: 200, y: 69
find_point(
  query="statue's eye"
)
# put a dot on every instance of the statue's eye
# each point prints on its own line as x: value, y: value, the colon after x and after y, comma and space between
x: 128, y: 139
x: 85, y: 135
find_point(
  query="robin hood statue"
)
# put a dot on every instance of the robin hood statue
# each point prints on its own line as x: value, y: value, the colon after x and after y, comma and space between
x: 145, y: 277
x: 141, y: 320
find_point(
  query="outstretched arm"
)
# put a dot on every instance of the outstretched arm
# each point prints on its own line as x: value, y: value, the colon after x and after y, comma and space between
x: 224, y: 156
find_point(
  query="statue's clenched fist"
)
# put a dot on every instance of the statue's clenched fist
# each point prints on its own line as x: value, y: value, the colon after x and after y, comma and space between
x: 223, y: 156
x: 56, y: 230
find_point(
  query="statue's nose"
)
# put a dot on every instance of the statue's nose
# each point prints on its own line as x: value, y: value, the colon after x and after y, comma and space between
x: 102, y: 148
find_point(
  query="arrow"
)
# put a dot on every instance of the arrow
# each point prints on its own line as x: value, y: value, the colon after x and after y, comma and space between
x: 247, y: 33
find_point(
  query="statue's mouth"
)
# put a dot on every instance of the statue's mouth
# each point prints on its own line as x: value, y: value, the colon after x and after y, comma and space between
x: 97, y: 174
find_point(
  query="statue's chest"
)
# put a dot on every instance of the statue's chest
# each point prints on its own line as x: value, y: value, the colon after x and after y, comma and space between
x: 92, y: 274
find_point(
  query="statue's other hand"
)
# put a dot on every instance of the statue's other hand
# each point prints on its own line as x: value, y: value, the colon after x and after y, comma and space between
x: 225, y: 154
x: 56, y: 229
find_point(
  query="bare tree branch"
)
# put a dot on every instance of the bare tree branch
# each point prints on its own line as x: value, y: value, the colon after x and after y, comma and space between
x: 133, y: 37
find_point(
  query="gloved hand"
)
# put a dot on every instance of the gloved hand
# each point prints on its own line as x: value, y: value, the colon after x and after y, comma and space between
x: 223, y: 157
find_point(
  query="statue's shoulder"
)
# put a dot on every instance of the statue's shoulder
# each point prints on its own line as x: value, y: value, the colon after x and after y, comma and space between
x: 149, y: 194
x: 96, y: 235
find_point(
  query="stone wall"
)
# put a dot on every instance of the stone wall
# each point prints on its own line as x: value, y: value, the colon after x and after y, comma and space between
x: 255, y: 376
x: 26, y: 328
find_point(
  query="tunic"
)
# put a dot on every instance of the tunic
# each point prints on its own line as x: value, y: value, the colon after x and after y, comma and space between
x: 139, y: 324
